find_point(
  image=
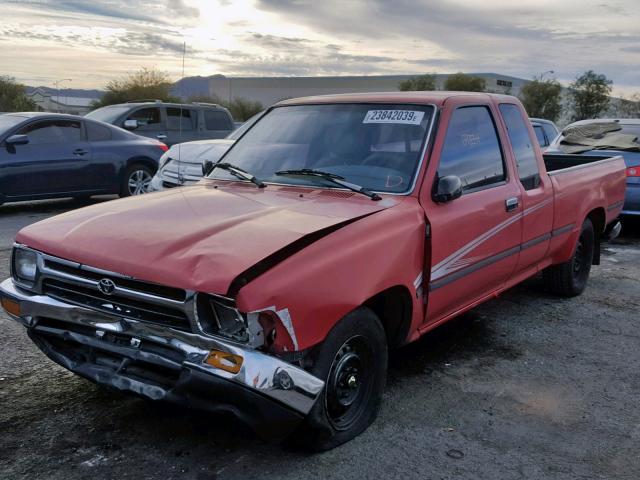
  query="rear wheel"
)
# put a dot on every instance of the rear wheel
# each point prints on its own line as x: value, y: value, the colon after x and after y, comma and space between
x: 570, y: 278
x: 353, y: 363
x: 137, y: 180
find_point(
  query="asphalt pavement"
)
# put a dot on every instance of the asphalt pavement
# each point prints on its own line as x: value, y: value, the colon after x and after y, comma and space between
x: 528, y: 385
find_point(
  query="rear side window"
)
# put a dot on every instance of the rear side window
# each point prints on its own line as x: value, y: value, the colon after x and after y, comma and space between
x: 97, y: 132
x: 551, y: 132
x: 542, y: 141
x: 522, y: 145
x: 472, y: 150
x: 148, y: 118
x: 53, y: 131
x: 217, y: 120
x: 180, y: 119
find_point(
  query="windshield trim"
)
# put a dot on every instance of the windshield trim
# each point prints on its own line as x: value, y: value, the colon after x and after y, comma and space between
x: 408, y: 192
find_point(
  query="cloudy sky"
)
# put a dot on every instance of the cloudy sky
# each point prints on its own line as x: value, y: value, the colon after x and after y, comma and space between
x: 93, y: 41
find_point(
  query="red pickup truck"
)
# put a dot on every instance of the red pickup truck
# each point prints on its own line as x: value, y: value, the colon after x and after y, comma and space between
x: 336, y: 228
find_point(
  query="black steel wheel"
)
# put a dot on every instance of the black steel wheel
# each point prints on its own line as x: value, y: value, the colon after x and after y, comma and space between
x: 349, y: 383
x: 570, y: 278
x: 353, y: 363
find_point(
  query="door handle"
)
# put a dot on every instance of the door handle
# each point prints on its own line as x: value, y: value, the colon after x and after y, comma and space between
x: 511, y: 204
x: 161, y: 136
x: 80, y: 151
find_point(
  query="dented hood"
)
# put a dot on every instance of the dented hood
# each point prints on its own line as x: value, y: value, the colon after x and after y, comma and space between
x: 198, y: 238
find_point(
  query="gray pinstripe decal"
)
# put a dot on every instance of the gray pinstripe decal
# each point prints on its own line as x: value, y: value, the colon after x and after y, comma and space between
x: 447, y: 266
x: 463, y: 272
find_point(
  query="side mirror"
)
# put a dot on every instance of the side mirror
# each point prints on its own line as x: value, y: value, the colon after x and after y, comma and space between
x: 207, y: 168
x: 17, y: 140
x: 449, y: 188
x: 131, y: 124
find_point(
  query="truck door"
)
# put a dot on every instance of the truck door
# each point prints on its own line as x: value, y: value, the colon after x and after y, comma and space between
x: 475, y: 238
x: 536, y: 189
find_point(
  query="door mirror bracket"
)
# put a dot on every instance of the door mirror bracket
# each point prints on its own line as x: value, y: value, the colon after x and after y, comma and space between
x: 17, y: 140
x: 131, y: 124
x: 447, y: 189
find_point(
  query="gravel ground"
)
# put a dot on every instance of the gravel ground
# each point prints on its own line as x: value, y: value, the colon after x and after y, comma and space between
x: 525, y: 386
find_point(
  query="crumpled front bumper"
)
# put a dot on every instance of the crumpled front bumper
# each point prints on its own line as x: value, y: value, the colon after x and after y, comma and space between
x: 160, y: 363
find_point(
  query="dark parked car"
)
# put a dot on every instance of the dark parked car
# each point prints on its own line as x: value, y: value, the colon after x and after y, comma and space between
x: 169, y: 122
x: 607, y: 136
x: 182, y: 164
x: 546, y: 131
x: 45, y: 155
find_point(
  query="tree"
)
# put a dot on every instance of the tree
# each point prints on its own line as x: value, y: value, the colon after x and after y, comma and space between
x: 628, y: 107
x: 590, y: 94
x: 459, y: 82
x: 419, y: 83
x: 241, y: 109
x: 13, y: 97
x: 542, y: 98
x: 146, y: 83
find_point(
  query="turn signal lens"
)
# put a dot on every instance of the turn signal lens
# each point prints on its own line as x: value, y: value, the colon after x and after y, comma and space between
x: 224, y: 361
x: 10, y: 306
x: 633, y: 171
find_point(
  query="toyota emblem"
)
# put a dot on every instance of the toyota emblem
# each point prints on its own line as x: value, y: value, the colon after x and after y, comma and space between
x: 106, y: 286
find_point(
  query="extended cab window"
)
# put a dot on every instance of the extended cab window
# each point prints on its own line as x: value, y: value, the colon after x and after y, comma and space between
x: 180, y: 119
x: 522, y: 146
x: 542, y: 140
x: 472, y: 150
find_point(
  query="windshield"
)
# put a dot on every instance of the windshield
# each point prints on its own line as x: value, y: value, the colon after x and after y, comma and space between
x: 8, y: 121
x: 108, y: 114
x: 238, y: 132
x: 376, y: 146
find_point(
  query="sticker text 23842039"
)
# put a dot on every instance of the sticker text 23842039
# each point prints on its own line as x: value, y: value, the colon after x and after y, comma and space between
x: 408, y: 117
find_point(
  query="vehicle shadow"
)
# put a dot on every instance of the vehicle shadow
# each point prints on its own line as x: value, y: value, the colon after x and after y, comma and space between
x: 50, y: 206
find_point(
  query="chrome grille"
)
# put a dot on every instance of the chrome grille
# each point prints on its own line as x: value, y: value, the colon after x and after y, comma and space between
x: 143, y: 301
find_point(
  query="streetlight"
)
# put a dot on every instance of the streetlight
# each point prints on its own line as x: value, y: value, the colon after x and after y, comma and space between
x: 57, y: 83
x: 550, y: 72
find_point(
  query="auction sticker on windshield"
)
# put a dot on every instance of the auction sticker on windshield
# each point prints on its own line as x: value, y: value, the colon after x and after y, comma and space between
x: 408, y: 117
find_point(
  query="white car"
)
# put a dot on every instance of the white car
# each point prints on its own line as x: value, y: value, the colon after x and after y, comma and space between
x: 182, y: 164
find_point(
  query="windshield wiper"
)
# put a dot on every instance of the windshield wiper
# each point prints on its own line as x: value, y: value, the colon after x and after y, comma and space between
x: 238, y: 172
x: 332, y: 177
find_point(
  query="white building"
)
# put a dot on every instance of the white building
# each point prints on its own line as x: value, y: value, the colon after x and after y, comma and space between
x: 61, y: 103
x: 269, y: 90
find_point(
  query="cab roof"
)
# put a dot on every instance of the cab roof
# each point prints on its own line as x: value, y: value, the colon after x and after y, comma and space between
x: 428, y: 98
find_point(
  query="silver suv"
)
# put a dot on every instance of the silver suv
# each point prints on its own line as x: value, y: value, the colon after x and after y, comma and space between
x: 170, y: 123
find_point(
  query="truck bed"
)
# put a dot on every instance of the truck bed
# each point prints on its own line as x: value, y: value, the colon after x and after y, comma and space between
x: 557, y: 162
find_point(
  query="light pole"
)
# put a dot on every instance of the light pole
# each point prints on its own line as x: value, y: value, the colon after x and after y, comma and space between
x: 57, y: 83
x: 550, y: 72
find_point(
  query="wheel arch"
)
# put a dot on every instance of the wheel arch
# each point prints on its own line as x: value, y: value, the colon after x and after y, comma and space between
x: 394, y: 308
x: 141, y: 160
x: 598, y: 218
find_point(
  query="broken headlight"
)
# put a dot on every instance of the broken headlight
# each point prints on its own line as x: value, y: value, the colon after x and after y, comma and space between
x: 217, y: 316
x: 25, y: 264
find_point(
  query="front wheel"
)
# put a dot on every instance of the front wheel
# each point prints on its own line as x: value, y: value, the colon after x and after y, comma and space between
x: 137, y: 180
x: 353, y: 363
x: 570, y: 278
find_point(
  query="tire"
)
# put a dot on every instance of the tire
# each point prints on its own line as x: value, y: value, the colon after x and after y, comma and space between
x: 136, y: 180
x: 569, y: 279
x: 352, y: 361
